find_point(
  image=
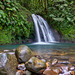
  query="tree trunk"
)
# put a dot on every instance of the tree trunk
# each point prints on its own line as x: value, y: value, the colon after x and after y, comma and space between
x: 46, y: 6
x: 74, y: 7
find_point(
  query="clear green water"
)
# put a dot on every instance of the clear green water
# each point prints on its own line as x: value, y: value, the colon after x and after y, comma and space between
x: 60, y: 51
x: 42, y: 47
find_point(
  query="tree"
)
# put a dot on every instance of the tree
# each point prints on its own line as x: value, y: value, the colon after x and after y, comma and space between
x: 74, y: 7
x: 46, y: 6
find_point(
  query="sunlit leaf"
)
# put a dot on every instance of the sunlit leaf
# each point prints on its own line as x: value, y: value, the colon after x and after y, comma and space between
x: 58, y: 19
x: 7, y: 0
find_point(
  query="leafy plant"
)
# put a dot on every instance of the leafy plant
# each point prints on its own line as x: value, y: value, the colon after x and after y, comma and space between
x: 13, y: 22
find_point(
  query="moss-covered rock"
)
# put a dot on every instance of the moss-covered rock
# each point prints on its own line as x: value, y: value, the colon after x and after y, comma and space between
x: 8, y: 63
x: 35, y: 65
x: 23, y: 53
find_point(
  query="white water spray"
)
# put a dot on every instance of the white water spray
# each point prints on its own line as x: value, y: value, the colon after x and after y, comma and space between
x: 43, y: 32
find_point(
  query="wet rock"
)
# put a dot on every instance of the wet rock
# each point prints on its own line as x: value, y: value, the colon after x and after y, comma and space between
x: 65, y: 68
x: 27, y: 72
x: 63, y: 62
x: 55, y: 61
x: 3, y: 59
x: 21, y: 66
x: 57, y: 70
x: 6, y: 50
x: 2, y: 71
x: 35, y: 65
x: 14, y: 49
x: 48, y: 64
x: 67, y: 73
x: 19, y: 72
x: 38, y: 56
x: 72, y: 72
x: 72, y: 68
x: 43, y: 60
x: 23, y: 53
x: 8, y: 62
x: 49, y: 72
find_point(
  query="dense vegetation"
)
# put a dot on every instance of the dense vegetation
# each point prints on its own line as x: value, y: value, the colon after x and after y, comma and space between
x: 59, y: 14
x: 15, y: 19
x: 15, y: 26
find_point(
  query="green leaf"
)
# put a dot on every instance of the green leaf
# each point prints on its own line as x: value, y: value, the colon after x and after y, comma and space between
x: 59, y: 0
x: 58, y: 19
x: 2, y: 13
x: 1, y: 2
x: 52, y: 15
x: 2, y: 6
x: 12, y: 9
x: 68, y: 19
x: 8, y: 1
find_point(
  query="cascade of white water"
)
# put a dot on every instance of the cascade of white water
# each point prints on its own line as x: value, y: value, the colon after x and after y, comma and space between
x: 42, y: 29
x: 36, y: 27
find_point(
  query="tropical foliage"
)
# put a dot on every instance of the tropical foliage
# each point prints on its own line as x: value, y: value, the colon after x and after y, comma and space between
x: 59, y: 14
x: 13, y: 22
x: 16, y: 24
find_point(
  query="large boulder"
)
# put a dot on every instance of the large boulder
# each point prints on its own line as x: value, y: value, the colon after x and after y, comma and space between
x: 8, y: 63
x: 35, y: 65
x: 23, y: 53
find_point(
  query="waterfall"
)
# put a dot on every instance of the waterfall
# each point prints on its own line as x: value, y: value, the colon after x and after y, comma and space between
x: 43, y: 31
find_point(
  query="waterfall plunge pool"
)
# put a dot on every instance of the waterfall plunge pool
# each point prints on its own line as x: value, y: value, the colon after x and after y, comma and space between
x: 60, y: 51
x: 43, y: 47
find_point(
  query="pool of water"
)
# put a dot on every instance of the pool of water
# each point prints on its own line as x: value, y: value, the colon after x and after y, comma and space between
x: 42, y: 47
x: 60, y: 51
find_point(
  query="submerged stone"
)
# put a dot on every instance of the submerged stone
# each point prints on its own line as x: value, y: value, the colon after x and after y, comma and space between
x: 23, y: 53
x: 55, y: 61
x: 35, y: 65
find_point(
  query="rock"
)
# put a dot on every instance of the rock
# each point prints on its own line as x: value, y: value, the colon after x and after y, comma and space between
x: 49, y: 72
x: 8, y: 62
x: 2, y: 72
x: 72, y: 72
x: 6, y: 50
x: 63, y: 62
x: 14, y: 49
x: 48, y: 64
x: 67, y: 73
x: 3, y: 59
x: 23, y: 53
x: 65, y: 68
x: 43, y: 60
x: 72, y: 68
x: 19, y: 72
x: 35, y: 65
x: 27, y: 72
x: 21, y: 66
x: 57, y: 70
x: 54, y: 61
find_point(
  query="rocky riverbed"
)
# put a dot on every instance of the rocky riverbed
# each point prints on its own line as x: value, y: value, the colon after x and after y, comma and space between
x: 23, y: 61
